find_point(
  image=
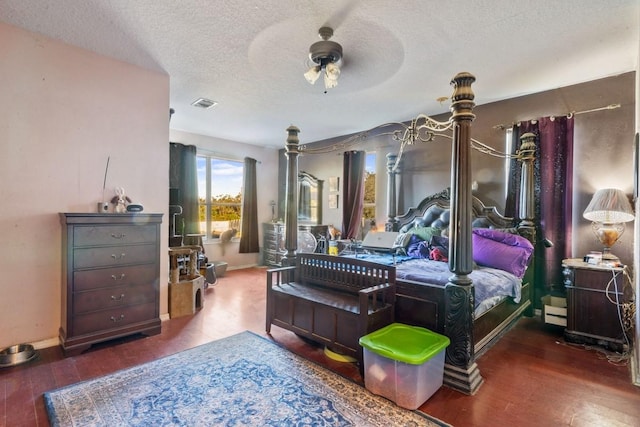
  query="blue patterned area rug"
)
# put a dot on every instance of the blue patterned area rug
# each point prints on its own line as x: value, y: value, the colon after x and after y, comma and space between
x: 242, y: 380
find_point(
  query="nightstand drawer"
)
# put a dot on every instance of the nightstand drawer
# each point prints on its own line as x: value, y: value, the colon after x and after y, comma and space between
x: 595, y: 279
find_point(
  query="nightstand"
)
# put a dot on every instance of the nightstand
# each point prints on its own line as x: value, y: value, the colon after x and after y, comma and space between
x: 598, y: 296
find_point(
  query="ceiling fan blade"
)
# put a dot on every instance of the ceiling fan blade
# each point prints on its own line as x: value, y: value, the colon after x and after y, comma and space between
x: 339, y: 16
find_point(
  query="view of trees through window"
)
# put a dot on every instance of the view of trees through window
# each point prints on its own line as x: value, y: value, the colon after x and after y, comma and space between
x: 219, y: 195
x: 369, y: 212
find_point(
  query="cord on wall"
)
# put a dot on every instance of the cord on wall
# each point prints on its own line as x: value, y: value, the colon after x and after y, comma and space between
x: 626, y: 311
x: 104, y: 183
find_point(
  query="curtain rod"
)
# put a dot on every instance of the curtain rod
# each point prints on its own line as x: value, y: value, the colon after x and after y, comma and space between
x: 608, y: 107
x: 222, y: 156
x: 570, y: 114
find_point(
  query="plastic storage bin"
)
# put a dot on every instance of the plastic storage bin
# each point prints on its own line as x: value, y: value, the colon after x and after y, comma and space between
x: 404, y: 363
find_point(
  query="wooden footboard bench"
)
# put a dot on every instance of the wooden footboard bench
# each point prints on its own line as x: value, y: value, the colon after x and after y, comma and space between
x: 331, y: 300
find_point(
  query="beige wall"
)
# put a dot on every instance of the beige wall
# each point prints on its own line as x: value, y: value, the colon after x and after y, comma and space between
x: 63, y: 112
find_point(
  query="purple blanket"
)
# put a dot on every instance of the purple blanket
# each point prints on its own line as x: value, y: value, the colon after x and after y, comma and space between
x: 488, y: 282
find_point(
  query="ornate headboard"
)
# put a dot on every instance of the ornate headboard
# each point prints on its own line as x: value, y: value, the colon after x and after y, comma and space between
x: 433, y: 211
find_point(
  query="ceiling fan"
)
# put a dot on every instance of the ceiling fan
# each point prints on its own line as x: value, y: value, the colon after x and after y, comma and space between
x: 326, y: 56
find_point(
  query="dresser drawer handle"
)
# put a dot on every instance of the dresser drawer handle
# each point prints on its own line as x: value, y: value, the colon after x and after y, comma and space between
x: 117, y: 319
x: 115, y: 298
x: 116, y: 278
x: 114, y: 256
x: 118, y: 236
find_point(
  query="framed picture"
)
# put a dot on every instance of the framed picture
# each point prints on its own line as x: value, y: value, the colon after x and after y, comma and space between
x: 334, y: 182
x: 333, y: 201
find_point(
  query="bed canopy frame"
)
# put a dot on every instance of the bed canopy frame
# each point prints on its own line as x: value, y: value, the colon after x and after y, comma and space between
x: 460, y: 367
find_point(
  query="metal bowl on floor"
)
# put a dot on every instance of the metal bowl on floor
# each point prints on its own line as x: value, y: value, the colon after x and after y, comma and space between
x: 17, y: 354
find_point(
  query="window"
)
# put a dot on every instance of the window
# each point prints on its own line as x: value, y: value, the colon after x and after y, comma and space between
x: 369, y: 211
x: 219, y: 195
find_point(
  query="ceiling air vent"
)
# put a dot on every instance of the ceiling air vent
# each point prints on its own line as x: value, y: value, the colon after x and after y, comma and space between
x: 203, y: 103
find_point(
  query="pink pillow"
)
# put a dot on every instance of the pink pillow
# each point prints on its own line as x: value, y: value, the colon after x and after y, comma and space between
x: 505, y: 251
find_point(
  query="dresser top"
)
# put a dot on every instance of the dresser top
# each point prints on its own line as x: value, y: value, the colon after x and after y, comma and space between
x: 579, y: 263
x: 109, y: 218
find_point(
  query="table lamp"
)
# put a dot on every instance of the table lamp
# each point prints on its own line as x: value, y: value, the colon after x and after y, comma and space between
x: 608, y: 210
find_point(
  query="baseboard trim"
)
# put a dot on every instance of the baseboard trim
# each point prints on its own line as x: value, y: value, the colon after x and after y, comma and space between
x: 49, y: 342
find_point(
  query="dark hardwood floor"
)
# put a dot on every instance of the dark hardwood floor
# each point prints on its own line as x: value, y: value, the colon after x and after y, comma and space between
x: 532, y: 377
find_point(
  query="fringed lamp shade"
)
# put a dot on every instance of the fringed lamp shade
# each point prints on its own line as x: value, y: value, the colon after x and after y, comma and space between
x: 608, y: 210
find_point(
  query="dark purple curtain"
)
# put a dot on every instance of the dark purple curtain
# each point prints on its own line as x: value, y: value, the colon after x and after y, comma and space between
x: 352, y: 192
x: 553, y: 175
x: 249, y: 238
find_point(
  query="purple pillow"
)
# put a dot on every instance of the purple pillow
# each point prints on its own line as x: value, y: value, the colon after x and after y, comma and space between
x: 505, y: 251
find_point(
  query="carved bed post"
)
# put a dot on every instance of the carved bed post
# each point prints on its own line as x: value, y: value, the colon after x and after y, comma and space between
x: 526, y: 208
x: 526, y: 211
x: 291, y: 205
x: 392, y: 202
x: 461, y: 371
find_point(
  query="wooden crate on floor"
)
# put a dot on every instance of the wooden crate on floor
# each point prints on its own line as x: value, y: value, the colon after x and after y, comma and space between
x: 554, y: 310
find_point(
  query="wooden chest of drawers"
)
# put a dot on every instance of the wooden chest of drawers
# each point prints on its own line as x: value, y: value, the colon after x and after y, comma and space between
x: 111, y: 277
x: 273, y: 247
x: 273, y: 240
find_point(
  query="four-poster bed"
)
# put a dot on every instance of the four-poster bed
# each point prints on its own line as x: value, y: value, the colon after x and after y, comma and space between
x: 446, y: 308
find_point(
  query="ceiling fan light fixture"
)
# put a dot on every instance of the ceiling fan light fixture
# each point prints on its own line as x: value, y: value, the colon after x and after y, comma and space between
x: 332, y: 71
x: 313, y: 74
x: 331, y: 74
x: 326, y: 55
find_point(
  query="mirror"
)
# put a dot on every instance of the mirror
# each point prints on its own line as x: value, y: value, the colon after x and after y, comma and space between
x: 309, y: 199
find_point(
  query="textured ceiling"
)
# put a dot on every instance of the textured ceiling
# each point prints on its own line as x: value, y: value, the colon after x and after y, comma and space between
x: 399, y: 56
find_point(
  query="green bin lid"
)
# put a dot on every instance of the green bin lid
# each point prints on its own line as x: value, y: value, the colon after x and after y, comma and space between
x: 404, y: 343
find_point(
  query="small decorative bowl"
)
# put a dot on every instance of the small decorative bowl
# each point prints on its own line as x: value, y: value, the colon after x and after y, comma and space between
x: 17, y: 354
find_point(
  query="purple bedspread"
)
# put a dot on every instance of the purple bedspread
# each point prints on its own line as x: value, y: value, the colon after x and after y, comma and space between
x: 488, y: 282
